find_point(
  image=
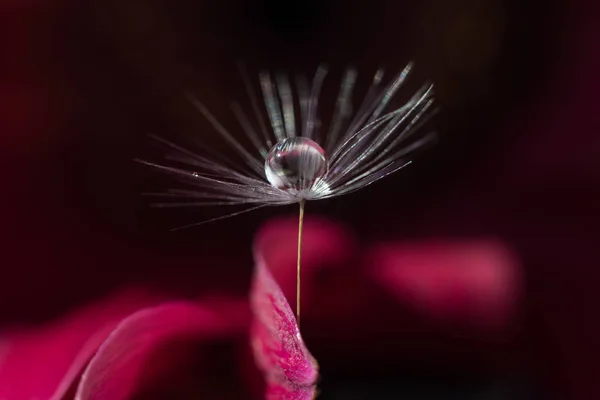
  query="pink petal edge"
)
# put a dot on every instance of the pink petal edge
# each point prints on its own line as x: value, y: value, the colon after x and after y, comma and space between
x: 117, y: 367
x: 291, y: 372
x: 43, y: 362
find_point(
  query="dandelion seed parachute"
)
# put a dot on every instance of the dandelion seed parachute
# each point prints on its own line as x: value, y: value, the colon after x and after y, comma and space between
x: 289, y: 161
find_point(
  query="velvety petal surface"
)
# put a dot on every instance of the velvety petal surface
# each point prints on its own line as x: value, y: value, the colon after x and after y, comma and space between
x: 290, y: 370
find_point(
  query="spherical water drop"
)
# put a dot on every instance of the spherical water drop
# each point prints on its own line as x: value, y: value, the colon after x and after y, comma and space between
x: 295, y: 164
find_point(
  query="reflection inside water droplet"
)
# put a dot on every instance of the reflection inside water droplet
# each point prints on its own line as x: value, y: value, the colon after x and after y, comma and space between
x: 295, y: 164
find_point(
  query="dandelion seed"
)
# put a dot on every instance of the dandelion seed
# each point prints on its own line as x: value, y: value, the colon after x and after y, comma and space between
x: 290, y: 162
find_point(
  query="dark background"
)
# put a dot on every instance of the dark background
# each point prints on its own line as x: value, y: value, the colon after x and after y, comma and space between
x: 83, y: 82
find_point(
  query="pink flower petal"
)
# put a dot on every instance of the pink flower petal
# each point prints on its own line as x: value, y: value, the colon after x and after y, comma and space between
x: 117, y: 369
x: 43, y: 363
x: 290, y: 370
x: 477, y: 281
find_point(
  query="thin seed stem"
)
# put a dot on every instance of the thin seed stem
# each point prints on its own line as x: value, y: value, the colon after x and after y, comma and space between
x: 300, y: 223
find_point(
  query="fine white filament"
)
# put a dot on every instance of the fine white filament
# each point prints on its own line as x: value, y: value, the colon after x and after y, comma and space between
x: 361, y: 147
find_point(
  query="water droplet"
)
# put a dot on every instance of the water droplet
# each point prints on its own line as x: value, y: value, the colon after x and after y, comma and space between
x: 295, y: 164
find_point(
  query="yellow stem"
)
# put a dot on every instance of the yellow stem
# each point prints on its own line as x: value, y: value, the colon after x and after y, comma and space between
x: 300, y: 223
